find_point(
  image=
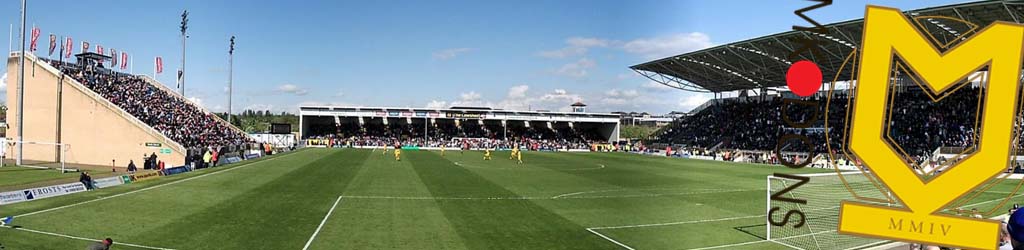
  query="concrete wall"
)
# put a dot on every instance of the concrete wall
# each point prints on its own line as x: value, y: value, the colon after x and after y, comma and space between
x: 96, y: 130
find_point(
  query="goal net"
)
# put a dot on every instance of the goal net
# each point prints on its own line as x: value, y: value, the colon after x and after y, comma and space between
x: 48, y: 155
x: 823, y: 193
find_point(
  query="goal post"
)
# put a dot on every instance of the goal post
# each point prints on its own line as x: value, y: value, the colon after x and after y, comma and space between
x: 823, y: 193
x: 49, y: 155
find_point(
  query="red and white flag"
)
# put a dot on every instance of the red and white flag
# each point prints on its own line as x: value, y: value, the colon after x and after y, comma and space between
x: 85, y: 46
x: 124, y: 60
x: 159, y: 65
x: 67, y: 47
x: 35, y: 39
x: 53, y: 44
x: 99, y: 50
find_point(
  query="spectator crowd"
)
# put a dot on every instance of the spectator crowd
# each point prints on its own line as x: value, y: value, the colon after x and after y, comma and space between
x: 175, y: 117
x: 917, y: 124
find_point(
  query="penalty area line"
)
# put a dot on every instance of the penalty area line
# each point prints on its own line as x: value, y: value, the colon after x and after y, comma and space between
x: 322, y: 222
x: 83, y: 238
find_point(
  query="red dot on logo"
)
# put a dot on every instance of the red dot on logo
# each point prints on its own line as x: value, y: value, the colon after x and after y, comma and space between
x: 803, y: 78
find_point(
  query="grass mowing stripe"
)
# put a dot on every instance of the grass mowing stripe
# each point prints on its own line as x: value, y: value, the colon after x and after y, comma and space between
x: 616, y: 175
x: 277, y: 215
x: 322, y: 222
x: 505, y: 224
x: 387, y: 224
x: 147, y: 188
x: 83, y: 238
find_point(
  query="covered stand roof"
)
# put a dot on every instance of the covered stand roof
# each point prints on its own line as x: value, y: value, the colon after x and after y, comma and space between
x: 762, y: 62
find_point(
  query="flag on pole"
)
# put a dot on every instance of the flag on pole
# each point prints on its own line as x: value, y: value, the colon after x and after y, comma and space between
x: 99, y: 50
x: 124, y: 60
x: 113, y: 58
x: 180, y: 74
x: 159, y: 65
x: 67, y: 47
x: 35, y: 39
x: 85, y: 46
x: 53, y: 43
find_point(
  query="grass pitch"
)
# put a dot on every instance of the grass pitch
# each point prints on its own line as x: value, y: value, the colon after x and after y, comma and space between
x: 363, y: 199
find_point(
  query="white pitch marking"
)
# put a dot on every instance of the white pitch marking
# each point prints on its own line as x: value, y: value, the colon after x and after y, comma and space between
x: 149, y: 188
x: 593, y: 229
x: 640, y: 189
x: 321, y: 226
x: 532, y: 197
x: 610, y: 239
x: 82, y: 238
x: 680, y: 222
x: 599, y: 166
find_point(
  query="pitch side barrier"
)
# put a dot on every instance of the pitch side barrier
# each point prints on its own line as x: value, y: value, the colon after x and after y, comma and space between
x: 31, y: 194
x: 460, y: 149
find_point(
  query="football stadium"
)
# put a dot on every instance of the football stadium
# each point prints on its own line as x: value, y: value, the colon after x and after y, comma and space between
x: 98, y: 156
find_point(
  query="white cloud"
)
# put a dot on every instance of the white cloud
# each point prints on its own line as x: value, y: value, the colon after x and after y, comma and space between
x: 650, y: 47
x: 576, y: 69
x: 631, y: 93
x: 196, y: 100
x: 654, y: 86
x: 587, y: 42
x: 259, y: 107
x: 664, y: 46
x: 447, y: 54
x: 575, y: 46
x: 561, y: 96
x: 339, y: 94
x: 523, y: 97
x: 3, y: 83
x: 518, y: 98
x: 518, y: 91
x: 470, y: 96
x: 690, y: 102
x: 435, y: 104
x: 616, y: 97
x: 292, y: 89
x: 563, y: 52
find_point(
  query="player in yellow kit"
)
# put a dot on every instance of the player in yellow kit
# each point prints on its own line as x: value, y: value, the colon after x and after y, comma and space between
x: 515, y: 151
x: 487, y: 154
x: 519, y: 157
x: 442, y: 150
x: 398, y: 152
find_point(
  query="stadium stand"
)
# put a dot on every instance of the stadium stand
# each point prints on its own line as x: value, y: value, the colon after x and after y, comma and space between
x: 457, y: 137
x: 918, y: 124
x: 111, y: 118
x: 172, y: 115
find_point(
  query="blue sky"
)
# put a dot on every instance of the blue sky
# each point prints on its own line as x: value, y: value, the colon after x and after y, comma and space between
x: 504, y: 54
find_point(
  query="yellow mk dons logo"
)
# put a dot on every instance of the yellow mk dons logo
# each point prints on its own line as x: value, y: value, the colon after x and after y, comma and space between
x: 887, y: 33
